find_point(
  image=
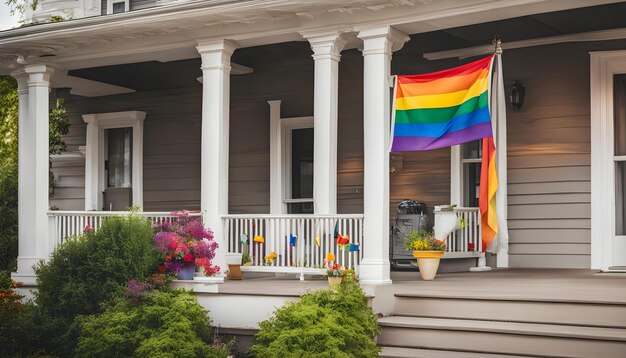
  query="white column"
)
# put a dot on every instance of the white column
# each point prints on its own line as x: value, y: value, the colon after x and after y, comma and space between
x: 215, y: 121
x: 33, y: 166
x: 326, y: 53
x: 378, y: 45
x: 92, y: 162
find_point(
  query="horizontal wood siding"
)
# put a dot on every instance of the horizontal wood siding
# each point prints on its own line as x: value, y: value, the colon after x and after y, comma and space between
x: 549, y: 158
x: 141, y: 4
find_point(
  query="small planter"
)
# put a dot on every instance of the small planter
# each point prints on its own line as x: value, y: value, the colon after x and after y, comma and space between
x: 428, y: 263
x: 334, y: 281
x: 233, y: 260
x: 186, y: 272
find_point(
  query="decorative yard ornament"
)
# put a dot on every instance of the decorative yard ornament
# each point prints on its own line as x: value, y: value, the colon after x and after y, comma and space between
x: 292, y: 240
x: 243, y: 238
x: 258, y: 238
x: 453, y: 107
x: 353, y: 247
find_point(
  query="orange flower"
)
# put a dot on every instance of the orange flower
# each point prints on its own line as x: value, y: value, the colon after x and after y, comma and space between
x: 330, y: 256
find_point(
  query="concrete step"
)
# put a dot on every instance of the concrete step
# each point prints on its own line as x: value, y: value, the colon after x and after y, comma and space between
x: 512, y: 338
x: 401, y: 352
x: 550, y: 311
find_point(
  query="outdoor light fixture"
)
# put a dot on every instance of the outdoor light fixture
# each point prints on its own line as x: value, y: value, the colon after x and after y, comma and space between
x: 518, y: 92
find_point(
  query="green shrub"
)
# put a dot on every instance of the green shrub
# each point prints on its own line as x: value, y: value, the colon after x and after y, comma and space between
x: 325, y: 323
x: 161, y: 324
x: 86, y: 271
x: 8, y: 214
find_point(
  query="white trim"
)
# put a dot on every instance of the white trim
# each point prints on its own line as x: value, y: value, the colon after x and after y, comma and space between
x: 94, y: 156
x: 111, y: 2
x: 456, y: 175
x: 603, y: 66
x: 602, y: 35
x: 280, y: 157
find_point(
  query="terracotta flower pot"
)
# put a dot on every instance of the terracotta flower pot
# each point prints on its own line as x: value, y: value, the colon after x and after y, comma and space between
x: 334, y: 281
x: 428, y: 263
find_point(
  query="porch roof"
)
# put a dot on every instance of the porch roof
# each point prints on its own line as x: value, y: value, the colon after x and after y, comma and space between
x: 170, y: 32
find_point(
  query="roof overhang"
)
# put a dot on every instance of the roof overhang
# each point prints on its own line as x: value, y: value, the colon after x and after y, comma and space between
x: 171, y: 32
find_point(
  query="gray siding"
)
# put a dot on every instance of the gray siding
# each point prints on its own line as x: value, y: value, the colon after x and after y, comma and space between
x: 141, y: 4
x: 549, y: 158
x: 548, y: 141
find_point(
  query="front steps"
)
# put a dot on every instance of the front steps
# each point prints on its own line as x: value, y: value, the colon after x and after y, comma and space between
x: 434, y: 326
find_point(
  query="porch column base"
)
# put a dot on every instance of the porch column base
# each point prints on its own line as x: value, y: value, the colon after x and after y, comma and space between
x: 482, y: 265
x: 375, y: 272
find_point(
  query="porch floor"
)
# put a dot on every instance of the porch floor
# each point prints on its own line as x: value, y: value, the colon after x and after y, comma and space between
x: 508, y: 284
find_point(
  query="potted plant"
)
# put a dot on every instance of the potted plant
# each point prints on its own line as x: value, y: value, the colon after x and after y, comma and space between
x: 427, y: 250
x: 233, y: 260
x: 334, y: 271
x: 186, y: 245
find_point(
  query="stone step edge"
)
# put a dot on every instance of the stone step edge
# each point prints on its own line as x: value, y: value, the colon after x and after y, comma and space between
x: 409, y: 352
x: 447, y: 296
x: 511, y: 328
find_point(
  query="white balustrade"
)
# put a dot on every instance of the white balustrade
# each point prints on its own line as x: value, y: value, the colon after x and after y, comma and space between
x: 467, y: 238
x: 308, y: 253
x: 68, y: 224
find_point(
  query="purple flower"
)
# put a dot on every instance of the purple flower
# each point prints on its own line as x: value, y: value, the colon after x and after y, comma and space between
x: 163, y: 239
x: 205, y: 248
x: 135, y: 290
x: 195, y: 229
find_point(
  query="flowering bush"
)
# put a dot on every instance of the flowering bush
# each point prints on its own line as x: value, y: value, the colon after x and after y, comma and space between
x: 184, y: 242
x: 423, y: 241
x: 333, y: 269
x: 9, y: 299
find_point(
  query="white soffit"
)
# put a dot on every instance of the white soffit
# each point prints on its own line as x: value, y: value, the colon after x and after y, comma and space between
x: 85, y: 87
x: 603, y: 35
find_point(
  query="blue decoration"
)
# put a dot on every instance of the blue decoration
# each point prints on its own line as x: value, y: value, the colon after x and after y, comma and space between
x: 292, y: 240
x: 354, y: 247
x: 243, y: 238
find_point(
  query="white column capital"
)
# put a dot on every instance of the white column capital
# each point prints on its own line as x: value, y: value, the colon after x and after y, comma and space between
x: 22, y: 80
x: 326, y: 45
x: 216, y: 54
x: 381, y: 40
x: 38, y: 75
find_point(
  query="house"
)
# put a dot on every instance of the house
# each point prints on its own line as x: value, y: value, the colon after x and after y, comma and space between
x: 137, y: 92
x: 272, y: 117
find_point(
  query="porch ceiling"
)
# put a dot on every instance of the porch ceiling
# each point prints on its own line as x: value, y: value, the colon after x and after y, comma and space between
x: 154, y: 75
x: 169, y: 33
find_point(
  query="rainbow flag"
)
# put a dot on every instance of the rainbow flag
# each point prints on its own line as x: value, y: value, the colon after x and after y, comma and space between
x: 443, y: 108
x: 487, y: 195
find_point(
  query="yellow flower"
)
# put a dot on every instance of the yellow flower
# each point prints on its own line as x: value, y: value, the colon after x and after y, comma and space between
x: 330, y: 256
x: 271, y: 257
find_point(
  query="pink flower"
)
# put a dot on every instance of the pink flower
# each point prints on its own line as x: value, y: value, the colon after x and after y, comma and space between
x: 87, y: 229
x: 188, y: 257
x: 172, y: 245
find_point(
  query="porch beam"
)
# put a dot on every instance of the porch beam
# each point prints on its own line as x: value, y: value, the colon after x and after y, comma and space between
x: 327, y: 49
x: 215, y: 131
x: 33, y: 166
x: 378, y: 46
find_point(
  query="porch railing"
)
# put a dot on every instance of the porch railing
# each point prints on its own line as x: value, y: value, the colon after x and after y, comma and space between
x: 300, y: 242
x: 468, y: 238
x: 65, y: 224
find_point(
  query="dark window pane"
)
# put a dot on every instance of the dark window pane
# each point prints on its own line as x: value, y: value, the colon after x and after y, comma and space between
x: 619, y: 117
x: 620, y: 198
x: 119, y: 150
x: 300, y: 208
x: 471, y: 184
x: 473, y: 150
x: 119, y: 7
x: 302, y: 163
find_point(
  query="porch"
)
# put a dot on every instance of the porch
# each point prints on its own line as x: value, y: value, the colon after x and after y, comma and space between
x: 300, y: 242
x: 509, y: 312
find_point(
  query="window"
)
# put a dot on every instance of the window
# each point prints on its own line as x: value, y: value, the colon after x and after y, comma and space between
x: 619, y: 152
x: 119, y: 7
x: 119, y: 154
x: 301, y: 171
x: 465, y: 162
x: 472, y: 154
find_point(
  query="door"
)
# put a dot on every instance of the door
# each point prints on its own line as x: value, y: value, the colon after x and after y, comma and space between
x: 118, y: 169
